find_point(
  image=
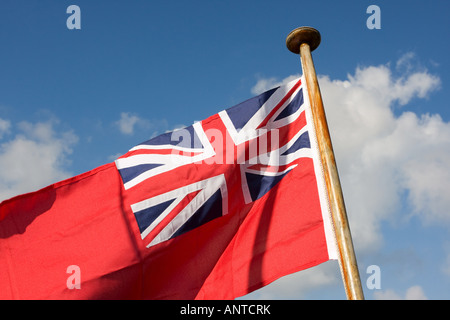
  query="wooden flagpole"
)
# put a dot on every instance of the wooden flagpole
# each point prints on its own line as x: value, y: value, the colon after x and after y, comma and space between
x: 304, y: 40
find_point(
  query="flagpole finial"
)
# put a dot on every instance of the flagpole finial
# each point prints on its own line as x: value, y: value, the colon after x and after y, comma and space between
x: 302, y: 35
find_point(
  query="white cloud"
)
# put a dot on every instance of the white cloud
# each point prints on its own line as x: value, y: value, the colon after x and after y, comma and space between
x: 265, y: 84
x: 128, y: 122
x: 379, y: 80
x: 412, y: 293
x: 382, y: 156
x: 34, y: 158
x: 5, y: 125
x: 405, y: 62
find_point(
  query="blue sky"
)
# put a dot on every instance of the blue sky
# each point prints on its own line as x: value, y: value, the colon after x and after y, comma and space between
x: 72, y: 100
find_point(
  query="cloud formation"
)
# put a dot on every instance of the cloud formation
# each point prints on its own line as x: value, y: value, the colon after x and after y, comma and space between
x: 412, y: 293
x: 127, y: 122
x: 382, y: 157
x: 265, y: 84
x: 5, y: 125
x: 34, y: 157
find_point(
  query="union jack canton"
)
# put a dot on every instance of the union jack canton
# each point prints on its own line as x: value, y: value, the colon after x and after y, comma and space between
x: 216, y: 166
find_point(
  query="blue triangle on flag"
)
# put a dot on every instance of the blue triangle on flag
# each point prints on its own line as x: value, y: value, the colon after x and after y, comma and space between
x: 146, y: 216
x: 210, y: 210
x: 128, y: 174
x: 259, y: 185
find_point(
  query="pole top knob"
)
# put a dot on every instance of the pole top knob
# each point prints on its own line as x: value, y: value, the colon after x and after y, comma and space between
x: 302, y: 35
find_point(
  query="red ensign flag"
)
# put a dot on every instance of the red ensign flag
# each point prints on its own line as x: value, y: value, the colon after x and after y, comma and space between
x: 212, y: 211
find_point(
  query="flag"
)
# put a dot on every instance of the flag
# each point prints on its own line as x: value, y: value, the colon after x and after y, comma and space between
x: 211, y: 211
